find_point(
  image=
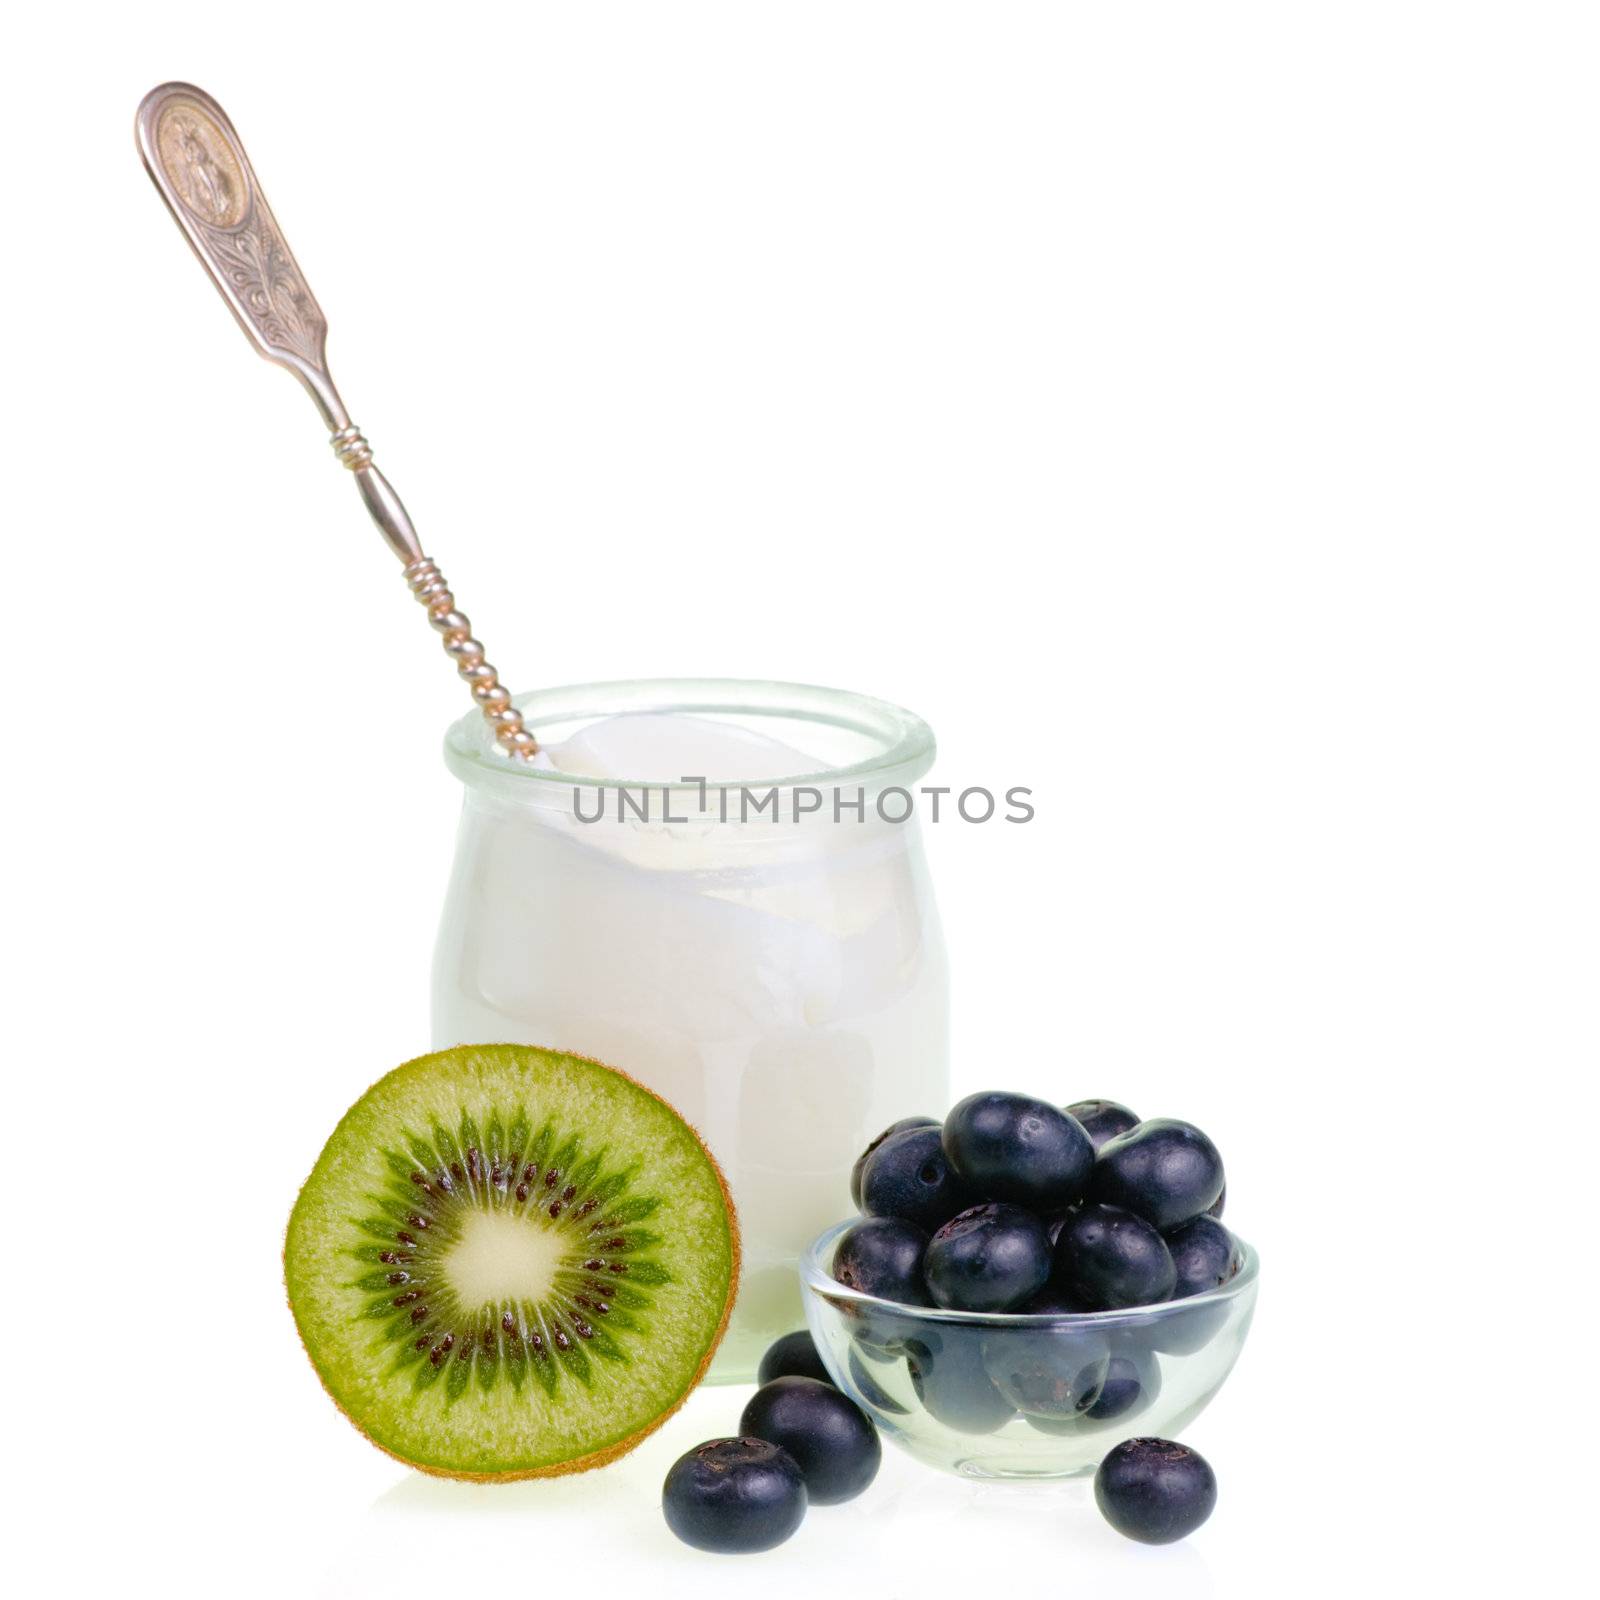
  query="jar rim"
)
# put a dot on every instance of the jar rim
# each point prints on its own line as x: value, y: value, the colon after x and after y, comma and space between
x: 907, y: 743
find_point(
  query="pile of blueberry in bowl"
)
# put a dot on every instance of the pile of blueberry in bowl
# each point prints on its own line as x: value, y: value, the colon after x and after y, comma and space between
x: 1031, y: 1285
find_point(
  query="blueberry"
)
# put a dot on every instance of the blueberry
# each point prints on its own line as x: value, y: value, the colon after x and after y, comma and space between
x: 827, y: 1433
x: 1110, y: 1259
x: 882, y: 1256
x: 734, y: 1495
x: 1164, y: 1170
x: 792, y: 1356
x: 1182, y: 1332
x: 1053, y: 1300
x: 1054, y: 1373
x: 1203, y: 1254
x: 871, y: 1391
x: 1155, y: 1491
x: 889, y: 1132
x: 1015, y: 1148
x: 908, y: 1177
x: 885, y: 1336
x: 1102, y: 1119
x: 955, y: 1389
x: 1132, y: 1382
x: 990, y: 1258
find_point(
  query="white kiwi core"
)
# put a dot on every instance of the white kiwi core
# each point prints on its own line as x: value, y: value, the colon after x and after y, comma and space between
x: 500, y: 1257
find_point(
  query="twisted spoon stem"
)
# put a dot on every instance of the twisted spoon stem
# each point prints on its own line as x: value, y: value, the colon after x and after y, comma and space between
x: 199, y: 167
x: 455, y: 633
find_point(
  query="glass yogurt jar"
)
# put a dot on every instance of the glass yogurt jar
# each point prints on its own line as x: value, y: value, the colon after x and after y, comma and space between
x: 719, y: 887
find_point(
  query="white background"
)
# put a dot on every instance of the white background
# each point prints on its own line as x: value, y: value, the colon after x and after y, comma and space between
x: 1191, y: 410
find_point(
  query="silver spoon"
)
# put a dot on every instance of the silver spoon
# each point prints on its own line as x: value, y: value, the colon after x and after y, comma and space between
x: 195, y: 159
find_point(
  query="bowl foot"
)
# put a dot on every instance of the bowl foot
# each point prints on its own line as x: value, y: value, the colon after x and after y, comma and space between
x: 1009, y: 1468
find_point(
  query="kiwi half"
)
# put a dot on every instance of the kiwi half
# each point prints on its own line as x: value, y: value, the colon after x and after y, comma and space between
x: 511, y: 1263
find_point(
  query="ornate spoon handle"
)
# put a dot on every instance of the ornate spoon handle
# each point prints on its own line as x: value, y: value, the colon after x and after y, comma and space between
x: 196, y: 161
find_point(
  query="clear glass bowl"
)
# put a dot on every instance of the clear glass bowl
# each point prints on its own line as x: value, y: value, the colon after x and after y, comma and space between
x: 1024, y: 1397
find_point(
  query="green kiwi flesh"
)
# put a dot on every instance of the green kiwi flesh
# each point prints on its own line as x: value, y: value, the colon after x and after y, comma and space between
x: 510, y: 1262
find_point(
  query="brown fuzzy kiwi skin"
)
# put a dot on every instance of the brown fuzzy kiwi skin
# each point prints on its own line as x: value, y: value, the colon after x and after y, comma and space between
x: 596, y: 1458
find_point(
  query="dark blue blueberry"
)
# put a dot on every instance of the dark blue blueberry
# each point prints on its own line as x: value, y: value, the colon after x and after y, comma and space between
x: 871, y: 1391
x: 1181, y: 1332
x: 1110, y: 1260
x: 1051, y: 1372
x: 1102, y: 1119
x: 908, y: 1177
x: 1053, y: 1300
x: 991, y: 1258
x: 1132, y: 1382
x: 736, y: 1495
x: 1204, y: 1255
x: 955, y: 1389
x: 889, y: 1132
x: 1155, y: 1491
x: 884, y: 1336
x: 882, y: 1256
x: 792, y: 1356
x: 1015, y: 1148
x: 828, y: 1434
x: 1165, y: 1171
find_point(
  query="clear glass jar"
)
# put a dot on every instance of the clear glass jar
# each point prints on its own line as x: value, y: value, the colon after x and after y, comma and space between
x: 766, y: 956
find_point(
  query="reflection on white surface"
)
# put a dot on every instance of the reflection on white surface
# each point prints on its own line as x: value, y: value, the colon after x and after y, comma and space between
x: 914, y: 1532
